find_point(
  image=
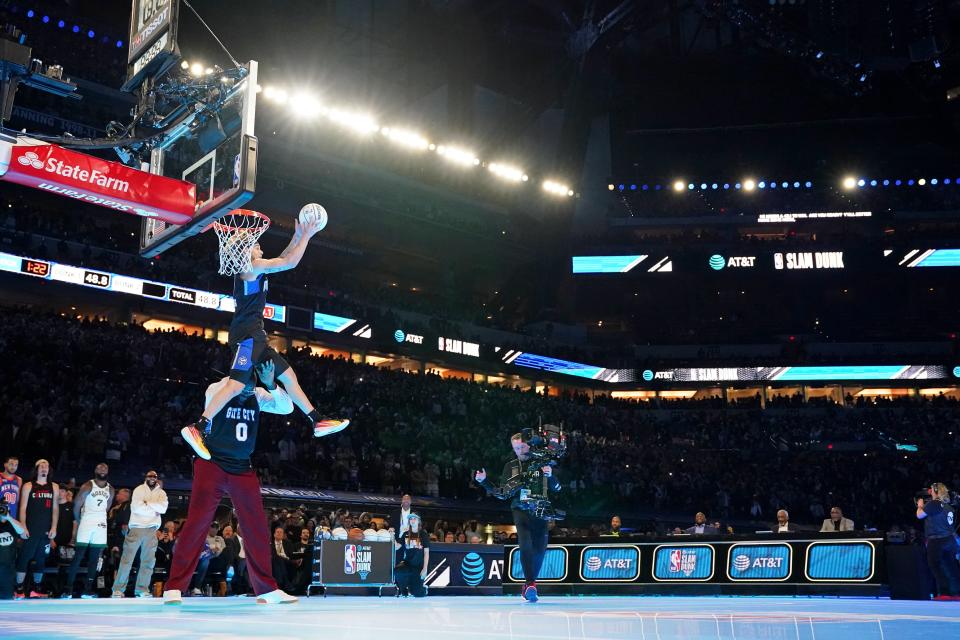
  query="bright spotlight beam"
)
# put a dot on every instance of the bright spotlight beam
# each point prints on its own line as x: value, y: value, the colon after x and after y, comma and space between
x: 849, y: 182
x: 357, y: 122
x: 507, y: 172
x: 749, y: 185
x: 406, y: 138
x: 305, y: 106
x: 557, y: 188
x: 457, y: 155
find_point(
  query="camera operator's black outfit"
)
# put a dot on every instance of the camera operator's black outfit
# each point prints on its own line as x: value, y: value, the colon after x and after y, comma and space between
x: 531, y: 531
x: 939, y: 528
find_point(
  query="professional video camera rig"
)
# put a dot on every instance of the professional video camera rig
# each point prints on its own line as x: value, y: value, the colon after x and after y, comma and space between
x: 547, y: 446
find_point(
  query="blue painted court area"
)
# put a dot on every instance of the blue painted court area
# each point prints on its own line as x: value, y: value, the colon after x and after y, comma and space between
x: 600, y: 618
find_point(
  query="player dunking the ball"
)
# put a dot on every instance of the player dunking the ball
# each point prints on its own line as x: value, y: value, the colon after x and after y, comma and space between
x: 242, y: 257
x: 231, y: 441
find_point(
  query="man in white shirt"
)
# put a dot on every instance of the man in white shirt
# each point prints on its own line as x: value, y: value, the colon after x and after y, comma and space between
x: 148, y: 503
x: 836, y: 522
x: 783, y: 523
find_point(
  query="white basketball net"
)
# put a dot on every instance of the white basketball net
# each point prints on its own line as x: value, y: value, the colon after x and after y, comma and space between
x: 237, y: 233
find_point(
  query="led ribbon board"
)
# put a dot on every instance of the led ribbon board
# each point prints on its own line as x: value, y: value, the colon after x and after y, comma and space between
x: 793, y: 374
x: 108, y: 281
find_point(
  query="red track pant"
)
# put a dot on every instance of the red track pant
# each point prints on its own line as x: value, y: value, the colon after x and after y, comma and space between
x: 210, y: 482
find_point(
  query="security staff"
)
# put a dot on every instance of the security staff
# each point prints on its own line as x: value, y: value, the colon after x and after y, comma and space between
x: 940, y: 526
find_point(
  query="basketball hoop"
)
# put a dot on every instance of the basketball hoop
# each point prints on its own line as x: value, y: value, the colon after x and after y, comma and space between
x: 237, y: 232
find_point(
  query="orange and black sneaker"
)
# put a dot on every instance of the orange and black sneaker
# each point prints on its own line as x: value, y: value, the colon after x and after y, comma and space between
x: 329, y: 427
x: 194, y: 438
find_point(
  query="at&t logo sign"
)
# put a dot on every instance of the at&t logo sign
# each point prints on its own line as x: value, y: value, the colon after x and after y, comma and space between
x: 472, y: 569
x: 401, y: 337
x: 610, y: 564
x: 718, y: 262
x: 759, y: 562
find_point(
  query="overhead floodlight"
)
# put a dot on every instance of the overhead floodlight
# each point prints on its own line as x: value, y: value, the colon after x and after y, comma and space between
x: 276, y: 95
x: 357, y: 122
x: 679, y: 185
x: 305, y: 105
x: 507, y: 172
x: 406, y: 138
x: 458, y: 155
x: 196, y: 69
x: 749, y: 184
x: 922, y: 181
x: 184, y: 65
x: 849, y: 182
x: 557, y: 188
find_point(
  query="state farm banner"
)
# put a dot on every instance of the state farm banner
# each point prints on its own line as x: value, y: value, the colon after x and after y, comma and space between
x: 96, y: 181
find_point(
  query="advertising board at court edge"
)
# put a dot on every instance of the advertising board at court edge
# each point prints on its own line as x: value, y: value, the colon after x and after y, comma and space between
x: 96, y: 181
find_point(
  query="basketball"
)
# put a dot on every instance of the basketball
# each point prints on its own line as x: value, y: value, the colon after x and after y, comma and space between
x: 355, y: 534
x: 311, y: 212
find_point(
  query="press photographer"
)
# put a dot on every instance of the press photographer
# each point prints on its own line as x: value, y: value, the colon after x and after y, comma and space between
x: 525, y: 483
x: 939, y: 528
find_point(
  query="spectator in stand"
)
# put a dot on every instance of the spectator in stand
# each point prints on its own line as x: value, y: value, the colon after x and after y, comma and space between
x: 700, y: 526
x: 836, y: 522
x: 614, y: 527
x: 281, y: 552
x: 302, y: 557
x: 783, y: 523
x: 148, y: 503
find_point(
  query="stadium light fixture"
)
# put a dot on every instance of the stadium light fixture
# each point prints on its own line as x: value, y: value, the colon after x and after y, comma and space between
x: 849, y: 182
x: 557, y: 188
x: 305, y: 105
x: 276, y: 95
x: 508, y: 172
x: 922, y: 181
x: 458, y: 155
x: 679, y: 185
x: 749, y: 184
x: 360, y: 123
x: 406, y: 138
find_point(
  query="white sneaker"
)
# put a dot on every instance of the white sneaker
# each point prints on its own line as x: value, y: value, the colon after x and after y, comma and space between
x: 277, y: 597
x: 141, y: 594
x: 172, y: 597
x: 196, y: 592
x: 117, y: 594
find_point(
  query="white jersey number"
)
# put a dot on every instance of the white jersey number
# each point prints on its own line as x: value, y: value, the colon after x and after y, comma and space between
x: 241, y: 431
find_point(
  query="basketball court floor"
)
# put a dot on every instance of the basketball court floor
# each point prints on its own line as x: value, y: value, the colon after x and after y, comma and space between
x: 448, y: 618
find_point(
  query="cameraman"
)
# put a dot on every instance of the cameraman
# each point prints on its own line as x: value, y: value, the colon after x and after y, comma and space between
x: 10, y: 528
x: 531, y: 531
x: 939, y: 527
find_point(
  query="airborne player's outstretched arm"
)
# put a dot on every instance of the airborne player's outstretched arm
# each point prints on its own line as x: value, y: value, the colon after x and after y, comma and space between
x: 290, y: 257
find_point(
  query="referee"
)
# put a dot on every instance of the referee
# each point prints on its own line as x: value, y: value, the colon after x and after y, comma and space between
x: 939, y: 528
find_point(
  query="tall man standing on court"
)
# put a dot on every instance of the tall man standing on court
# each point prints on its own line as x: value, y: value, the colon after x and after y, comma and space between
x: 232, y: 439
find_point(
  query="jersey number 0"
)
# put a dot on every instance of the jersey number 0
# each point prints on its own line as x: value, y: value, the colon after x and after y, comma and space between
x: 241, y: 431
